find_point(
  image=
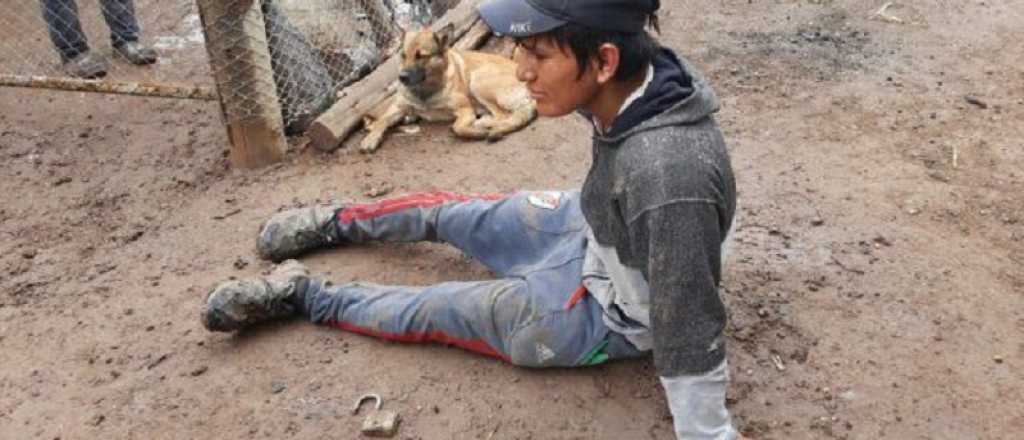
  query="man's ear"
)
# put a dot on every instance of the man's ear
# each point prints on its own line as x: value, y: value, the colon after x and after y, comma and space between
x: 445, y: 35
x: 607, y: 62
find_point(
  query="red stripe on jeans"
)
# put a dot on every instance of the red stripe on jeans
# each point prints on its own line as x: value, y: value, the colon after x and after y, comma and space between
x: 475, y: 345
x: 576, y: 297
x: 411, y: 201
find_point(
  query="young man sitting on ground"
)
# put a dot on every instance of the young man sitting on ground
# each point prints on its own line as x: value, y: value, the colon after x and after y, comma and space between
x: 627, y: 266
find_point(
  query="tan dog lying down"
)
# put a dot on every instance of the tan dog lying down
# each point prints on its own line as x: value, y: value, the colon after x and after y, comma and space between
x: 441, y: 84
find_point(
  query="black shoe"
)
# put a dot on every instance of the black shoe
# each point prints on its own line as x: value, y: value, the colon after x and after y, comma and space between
x: 236, y: 304
x: 87, y: 65
x: 136, y: 53
x: 297, y: 231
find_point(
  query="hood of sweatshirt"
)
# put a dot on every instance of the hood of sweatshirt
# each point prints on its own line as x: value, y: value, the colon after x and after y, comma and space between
x: 678, y: 94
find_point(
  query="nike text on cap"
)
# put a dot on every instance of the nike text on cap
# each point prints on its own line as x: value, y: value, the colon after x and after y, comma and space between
x: 523, y: 18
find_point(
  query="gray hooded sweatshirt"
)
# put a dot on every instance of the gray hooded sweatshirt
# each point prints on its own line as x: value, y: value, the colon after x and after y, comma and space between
x: 661, y: 192
x: 660, y: 199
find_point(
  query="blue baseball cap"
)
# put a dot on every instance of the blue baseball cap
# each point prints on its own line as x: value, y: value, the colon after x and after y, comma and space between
x: 523, y: 18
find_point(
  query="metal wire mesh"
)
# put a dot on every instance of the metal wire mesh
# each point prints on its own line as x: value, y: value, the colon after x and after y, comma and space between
x: 28, y: 47
x: 297, y: 53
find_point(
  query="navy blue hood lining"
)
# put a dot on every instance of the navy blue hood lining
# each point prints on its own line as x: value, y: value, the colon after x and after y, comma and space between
x: 670, y: 85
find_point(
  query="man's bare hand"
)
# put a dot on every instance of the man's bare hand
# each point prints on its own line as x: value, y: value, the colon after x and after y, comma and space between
x: 743, y: 437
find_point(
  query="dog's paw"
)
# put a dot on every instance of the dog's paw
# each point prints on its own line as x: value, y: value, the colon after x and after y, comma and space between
x: 494, y: 135
x: 370, y: 143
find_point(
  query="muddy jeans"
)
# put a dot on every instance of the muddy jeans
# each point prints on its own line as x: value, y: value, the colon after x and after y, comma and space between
x: 65, y: 30
x: 535, y: 314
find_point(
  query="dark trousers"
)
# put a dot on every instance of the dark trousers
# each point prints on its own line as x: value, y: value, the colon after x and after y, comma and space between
x: 61, y: 18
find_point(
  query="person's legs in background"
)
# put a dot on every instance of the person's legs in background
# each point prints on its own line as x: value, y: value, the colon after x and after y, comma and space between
x: 124, y: 31
x: 61, y: 17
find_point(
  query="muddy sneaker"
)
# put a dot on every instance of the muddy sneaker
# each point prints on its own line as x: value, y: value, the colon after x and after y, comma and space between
x: 87, y: 65
x: 136, y: 53
x: 235, y: 304
x: 297, y: 231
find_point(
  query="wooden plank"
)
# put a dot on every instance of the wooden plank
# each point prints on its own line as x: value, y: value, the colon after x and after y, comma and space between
x: 328, y: 131
x: 153, y: 90
x: 236, y: 42
x: 474, y: 37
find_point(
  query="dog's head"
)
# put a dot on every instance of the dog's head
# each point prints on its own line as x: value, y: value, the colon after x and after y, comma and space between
x: 424, y: 61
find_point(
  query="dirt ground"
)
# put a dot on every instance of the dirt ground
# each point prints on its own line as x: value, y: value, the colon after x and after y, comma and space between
x: 876, y: 290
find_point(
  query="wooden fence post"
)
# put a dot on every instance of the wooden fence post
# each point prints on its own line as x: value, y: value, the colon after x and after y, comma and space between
x: 236, y: 43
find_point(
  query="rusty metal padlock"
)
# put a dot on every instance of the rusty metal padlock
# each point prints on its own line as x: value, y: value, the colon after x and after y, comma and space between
x: 380, y: 423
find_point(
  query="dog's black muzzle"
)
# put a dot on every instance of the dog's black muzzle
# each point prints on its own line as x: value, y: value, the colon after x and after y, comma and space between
x: 412, y: 76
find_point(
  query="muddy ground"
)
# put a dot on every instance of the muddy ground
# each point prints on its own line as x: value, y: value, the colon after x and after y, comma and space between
x: 876, y: 291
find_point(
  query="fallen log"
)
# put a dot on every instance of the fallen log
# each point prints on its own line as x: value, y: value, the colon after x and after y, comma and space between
x: 329, y: 130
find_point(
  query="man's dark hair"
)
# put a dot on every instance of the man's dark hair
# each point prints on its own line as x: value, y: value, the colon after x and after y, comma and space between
x: 636, y: 50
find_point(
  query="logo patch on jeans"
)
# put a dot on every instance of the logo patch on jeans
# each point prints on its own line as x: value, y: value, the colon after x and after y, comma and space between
x: 545, y: 199
x: 544, y: 353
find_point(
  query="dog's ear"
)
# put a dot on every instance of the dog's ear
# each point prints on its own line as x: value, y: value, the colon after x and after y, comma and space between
x: 445, y: 35
x: 407, y: 35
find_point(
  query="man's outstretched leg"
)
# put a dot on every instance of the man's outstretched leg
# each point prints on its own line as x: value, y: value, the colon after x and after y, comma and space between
x: 409, y: 218
x: 509, y: 319
x: 505, y: 232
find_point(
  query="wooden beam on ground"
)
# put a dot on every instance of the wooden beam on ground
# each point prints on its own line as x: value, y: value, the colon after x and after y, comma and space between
x: 236, y: 42
x: 152, y: 90
x: 335, y: 125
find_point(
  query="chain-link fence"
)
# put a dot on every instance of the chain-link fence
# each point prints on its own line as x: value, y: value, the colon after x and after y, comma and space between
x: 296, y: 53
x: 36, y: 36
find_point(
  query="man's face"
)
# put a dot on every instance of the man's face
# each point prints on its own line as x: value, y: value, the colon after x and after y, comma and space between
x: 551, y: 74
